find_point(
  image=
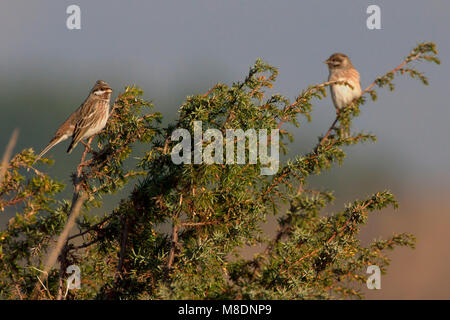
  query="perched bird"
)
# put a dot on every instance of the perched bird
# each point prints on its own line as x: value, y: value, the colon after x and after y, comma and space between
x: 341, y: 69
x: 89, y: 119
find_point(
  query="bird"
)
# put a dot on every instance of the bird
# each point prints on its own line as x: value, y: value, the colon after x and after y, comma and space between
x: 88, y: 120
x: 342, y: 69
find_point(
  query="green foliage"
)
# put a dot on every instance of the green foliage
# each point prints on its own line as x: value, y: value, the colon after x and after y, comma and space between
x: 213, y: 211
x: 28, y: 234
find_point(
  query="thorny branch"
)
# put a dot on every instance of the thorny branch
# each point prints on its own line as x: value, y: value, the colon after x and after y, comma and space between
x: 281, y: 178
x: 60, y: 249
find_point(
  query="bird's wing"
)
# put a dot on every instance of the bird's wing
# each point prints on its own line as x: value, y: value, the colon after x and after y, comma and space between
x: 87, y: 118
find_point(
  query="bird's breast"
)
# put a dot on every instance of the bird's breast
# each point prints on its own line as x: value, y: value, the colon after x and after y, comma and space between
x: 343, y: 94
x: 101, y: 119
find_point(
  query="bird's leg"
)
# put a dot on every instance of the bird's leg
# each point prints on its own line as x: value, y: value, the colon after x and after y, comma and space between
x: 87, y: 148
x: 88, y: 145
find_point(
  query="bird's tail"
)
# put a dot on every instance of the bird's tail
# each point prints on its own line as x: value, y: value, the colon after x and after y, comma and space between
x: 47, y: 148
x: 72, y: 145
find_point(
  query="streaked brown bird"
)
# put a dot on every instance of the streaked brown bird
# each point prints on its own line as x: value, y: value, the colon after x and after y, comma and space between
x: 89, y: 119
x: 341, y: 69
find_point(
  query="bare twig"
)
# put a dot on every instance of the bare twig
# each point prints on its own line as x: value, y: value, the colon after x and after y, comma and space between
x: 40, y: 281
x: 7, y: 155
x: 85, y: 245
x: 46, y: 289
x: 199, y: 224
x: 173, y: 247
x: 92, y: 228
x: 77, y: 202
x: 123, y: 247
x: 18, y: 291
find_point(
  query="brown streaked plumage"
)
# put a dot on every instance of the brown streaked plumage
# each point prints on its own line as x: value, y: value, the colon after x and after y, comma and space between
x: 89, y: 119
x: 341, y: 69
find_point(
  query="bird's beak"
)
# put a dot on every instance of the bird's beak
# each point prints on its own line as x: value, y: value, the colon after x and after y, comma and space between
x: 327, y: 62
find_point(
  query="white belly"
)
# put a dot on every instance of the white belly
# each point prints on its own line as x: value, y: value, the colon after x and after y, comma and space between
x: 342, y: 95
x: 99, y: 125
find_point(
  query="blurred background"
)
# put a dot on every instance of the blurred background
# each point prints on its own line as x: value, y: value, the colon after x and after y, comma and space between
x: 172, y: 49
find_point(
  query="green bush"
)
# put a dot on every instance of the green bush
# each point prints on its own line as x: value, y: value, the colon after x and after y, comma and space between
x: 213, y: 211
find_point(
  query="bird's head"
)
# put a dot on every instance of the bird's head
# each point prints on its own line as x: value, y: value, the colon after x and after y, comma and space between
x: 338, y: 61
x: 101, y: 89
